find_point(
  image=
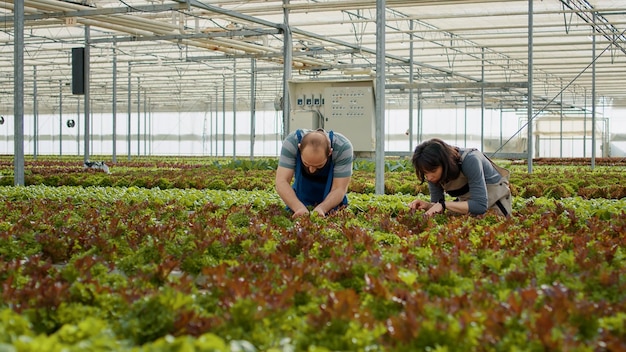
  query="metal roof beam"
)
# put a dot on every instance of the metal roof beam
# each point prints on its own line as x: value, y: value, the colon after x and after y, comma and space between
x: 610, y: 32
x: 457, y: 85
x: 98, y: 12
x: 230, y: 13
x: 225, y: 34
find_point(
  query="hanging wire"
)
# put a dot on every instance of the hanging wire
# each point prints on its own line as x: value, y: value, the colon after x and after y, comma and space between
x: 560, y: 92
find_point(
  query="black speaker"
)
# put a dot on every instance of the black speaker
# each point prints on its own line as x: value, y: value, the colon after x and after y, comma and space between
x: 78, y: 70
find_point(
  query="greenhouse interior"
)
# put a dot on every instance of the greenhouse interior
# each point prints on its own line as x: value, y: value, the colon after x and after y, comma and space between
x: 461, y: 187
x: 518, y: 79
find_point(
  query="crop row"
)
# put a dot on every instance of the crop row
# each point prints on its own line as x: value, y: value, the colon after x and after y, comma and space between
x: 545, y: 181
x: 107, y: 268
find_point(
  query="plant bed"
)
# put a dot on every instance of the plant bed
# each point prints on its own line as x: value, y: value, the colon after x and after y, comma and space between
x: 129, y: 269
x: 552, y: 181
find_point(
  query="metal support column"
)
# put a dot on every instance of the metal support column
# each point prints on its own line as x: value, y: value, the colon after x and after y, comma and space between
x: 35, y: 116
x: 252, y: 106
x: 114, y: 107
x: 287, y: 65
x: 482, y: 99
x: 529, y: 113
x: 130, y: 109
x: 60, y: 117
x: 593, y: 94
x: 234, y: 109
x: 87, y: 96
x: 411, y: 74
x: 380, y: 97
x: 223, y: 115
x: 18, y: 93
x: 138, y: 116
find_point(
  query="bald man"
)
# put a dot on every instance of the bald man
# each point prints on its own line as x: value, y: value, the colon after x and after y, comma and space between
x: 321, y: 162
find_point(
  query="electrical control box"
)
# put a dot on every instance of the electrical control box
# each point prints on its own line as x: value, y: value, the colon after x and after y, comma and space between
x: 305, y: 119
x: 347, y: 107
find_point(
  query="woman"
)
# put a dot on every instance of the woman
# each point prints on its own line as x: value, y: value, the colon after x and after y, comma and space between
x: 464, y: 173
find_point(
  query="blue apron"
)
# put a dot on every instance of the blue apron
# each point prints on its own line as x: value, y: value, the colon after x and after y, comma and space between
x: 313, y: 189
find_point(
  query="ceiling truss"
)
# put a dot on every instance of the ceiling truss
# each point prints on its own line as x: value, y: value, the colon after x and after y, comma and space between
x: 189, y: 55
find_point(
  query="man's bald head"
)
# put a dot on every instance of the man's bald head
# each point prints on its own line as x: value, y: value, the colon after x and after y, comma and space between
x: 315, y: 150
x: 318, y: 140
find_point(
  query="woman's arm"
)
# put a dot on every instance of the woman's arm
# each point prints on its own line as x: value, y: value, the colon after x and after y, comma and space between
x: 473, y: 169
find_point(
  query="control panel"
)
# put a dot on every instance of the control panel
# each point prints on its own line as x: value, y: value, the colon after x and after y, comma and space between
x: 347, y: 107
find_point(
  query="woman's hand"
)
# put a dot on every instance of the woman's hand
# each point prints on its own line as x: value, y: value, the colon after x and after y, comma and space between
x: 435, y: 208
x: 431, y: 208
x: 419, y: 204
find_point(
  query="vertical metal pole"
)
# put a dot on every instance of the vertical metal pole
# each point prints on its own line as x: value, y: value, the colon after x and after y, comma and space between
x: 411, y: 77
x: 561, y: 122
x: 145, y: 124
x: 234, y: 108
x: 87, y: 106
x: 529, y: 113
x: 114, y: 107
x: 252, y: 106
x: 60, y: 117
x: 78, y: 126
x: 151, y: 121
x: 482, y: 99
x: 380, y: 97
x: 223, y: 115
x: 287, y: 65
x: 18, y: 94
x: 91, y: 129
x: 35, y: 116
x: 585, y: 127
x: 138, y: 116
x: 129, y: 109
x: 593, y: 94
x: 217, y: 112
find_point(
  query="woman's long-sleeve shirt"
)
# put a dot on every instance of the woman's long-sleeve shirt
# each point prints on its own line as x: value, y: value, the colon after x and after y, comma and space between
x: 479, y: 172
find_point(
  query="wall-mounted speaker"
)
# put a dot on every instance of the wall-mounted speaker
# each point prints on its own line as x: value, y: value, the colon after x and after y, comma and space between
x: 78, y: 70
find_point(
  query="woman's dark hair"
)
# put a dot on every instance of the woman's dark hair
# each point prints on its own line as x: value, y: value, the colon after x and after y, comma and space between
x: 433, y: 153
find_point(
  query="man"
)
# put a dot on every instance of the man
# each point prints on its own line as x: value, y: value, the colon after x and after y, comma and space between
x: 322, y: 165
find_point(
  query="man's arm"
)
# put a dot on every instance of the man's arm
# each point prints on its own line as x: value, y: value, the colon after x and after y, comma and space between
x: 338, y: 190
x: 285, y: 191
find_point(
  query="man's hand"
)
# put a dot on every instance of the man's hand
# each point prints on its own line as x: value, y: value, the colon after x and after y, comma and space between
x: 300, y: 212
x: 320, y: 211
x: 286, y: 192
x: 334, y: 198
